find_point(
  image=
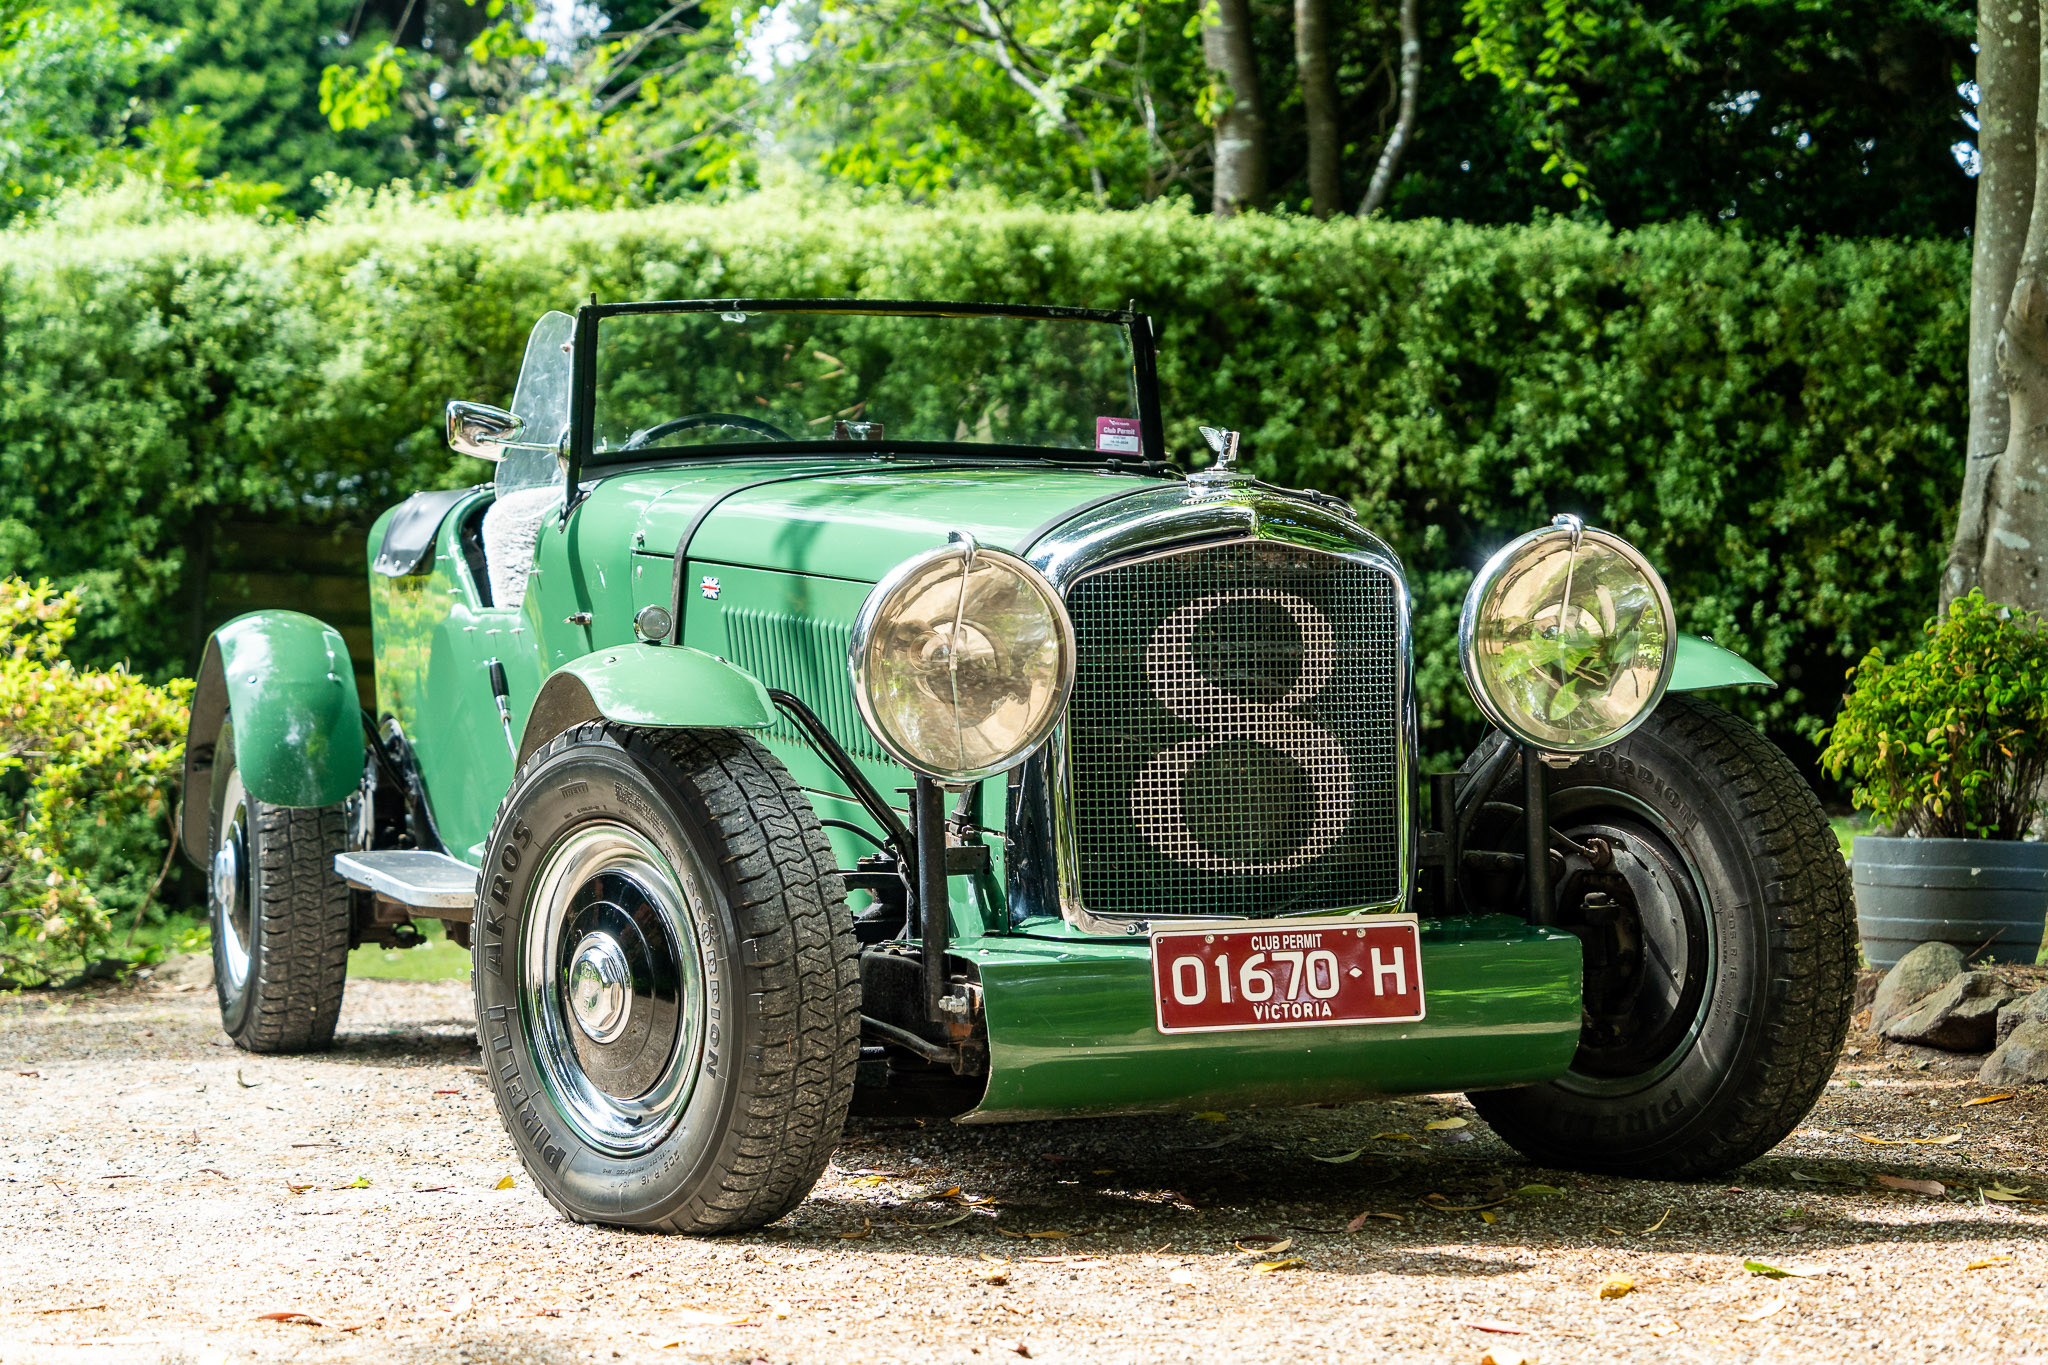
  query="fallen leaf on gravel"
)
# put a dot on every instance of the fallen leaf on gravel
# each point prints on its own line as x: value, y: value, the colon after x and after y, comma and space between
x: 1662, y: 1329
x: 504, y: 1183
x: 1987, y: 1262
x: 1262, y: 1241
x: 1492, y: 1325
x: 89, y: 1307
x: 1899, y: 1182
x: 1659, y: 1223
x: 1537, y: 1192
x: 246, y: 1085
x: 361, y: 1182
x: 1445, y: 1125
x: 1394, y: 1137
x: 294, y: 1315
x: 1210, y: 1116
x: 300, y: 1189
x: 1616, y: 1286
x: 942, y: 1223
x: 1503, y: 1357
x: 1436, y: 1201
x: 1760, y: 1314
x: 866, y: 1229
x: 447, y: 1092
x: 1987, y: 1099
x: 867, y: 1180
x: 1948, y: 1141
x: 1015, y: 1348
x: 432, y: 1189
x: 1488, y: 1217
x: 2005, y: 1194
x: 1360, y: 1221
x: 1339, y: 1160
x: 1268, y: 1267
x: 1779, y: 1272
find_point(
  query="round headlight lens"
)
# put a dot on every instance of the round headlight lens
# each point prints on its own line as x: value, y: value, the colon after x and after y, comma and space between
x: 962, y: 662
x: 1566, y: 638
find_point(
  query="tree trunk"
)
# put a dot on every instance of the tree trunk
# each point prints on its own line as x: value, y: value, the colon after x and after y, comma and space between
x: 1318, y: 104
x: 1240, y: 129
x: 1404, y: 124
x: 2008, y: 104
x: 2015, y: 560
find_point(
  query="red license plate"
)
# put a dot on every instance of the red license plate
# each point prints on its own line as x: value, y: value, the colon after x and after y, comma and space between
x: 1288, y: 975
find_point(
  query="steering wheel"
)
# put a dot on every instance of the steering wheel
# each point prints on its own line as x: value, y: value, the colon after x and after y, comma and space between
x: 733, y: 420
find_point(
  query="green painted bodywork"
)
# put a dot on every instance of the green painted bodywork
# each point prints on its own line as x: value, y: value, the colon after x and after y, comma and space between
x: 1071, y: 1029
x: 648, y: 684
x: 286, y: 679
x: 775, y: 575
x: 1702, y: 664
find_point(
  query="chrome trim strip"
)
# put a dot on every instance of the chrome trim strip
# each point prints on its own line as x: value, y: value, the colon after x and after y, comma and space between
x: 1176, y: 519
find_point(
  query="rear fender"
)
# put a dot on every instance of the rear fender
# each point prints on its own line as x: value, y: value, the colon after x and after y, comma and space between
x: 1702, y: 664
x: 298, y: 722
x: 663, y: 686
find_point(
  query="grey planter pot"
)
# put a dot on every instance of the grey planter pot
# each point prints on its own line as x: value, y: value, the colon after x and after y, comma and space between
x: 1968, y: 892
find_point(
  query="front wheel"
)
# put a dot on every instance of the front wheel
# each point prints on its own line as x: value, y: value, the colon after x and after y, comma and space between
x: 666, y: 980
x: 1720, y: 949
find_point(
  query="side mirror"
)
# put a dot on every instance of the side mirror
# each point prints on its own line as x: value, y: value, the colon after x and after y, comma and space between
x: 481, y: 430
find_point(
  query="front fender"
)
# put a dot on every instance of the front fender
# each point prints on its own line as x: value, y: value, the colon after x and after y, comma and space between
x: 298, y: 722
x: 1702, y: 664
x: 664, y: 686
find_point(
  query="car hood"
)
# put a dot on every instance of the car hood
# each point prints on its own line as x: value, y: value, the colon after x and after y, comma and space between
x: 854, y: 519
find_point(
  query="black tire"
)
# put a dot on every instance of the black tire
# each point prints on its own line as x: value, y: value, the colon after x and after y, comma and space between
x: 280, y: 916
x: 633, y: 863
x: 1708, y: 1065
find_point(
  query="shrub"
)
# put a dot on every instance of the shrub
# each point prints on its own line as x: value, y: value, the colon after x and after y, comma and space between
x: 1951, y: 740
x: 1779, y: 425
x: 88, y: 764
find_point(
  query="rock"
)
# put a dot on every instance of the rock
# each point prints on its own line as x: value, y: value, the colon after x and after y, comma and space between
x: 2027, y: 1007
x: 1960, y: 1017
x: 1916, y: 976
x: 2021, y: 1059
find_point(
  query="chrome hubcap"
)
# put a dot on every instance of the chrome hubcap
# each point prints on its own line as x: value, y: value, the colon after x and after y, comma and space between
x: 600, y: 997
x: 228, y: 887
x: 613, y: 987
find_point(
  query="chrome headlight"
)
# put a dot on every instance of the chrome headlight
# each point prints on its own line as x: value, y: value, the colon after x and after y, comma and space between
x: 962, y: 661
x: 1566, y: 638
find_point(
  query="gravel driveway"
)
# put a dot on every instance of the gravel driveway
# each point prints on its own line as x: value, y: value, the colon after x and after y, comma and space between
x: 162, y: 1194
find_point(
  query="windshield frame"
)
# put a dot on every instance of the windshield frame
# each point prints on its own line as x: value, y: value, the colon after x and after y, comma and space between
x: 1141, y: 339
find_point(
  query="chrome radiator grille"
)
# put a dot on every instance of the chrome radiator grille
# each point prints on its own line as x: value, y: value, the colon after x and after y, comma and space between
x: 1234, y: 737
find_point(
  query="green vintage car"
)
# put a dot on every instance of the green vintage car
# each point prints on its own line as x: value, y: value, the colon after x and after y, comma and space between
x: 845, y: 706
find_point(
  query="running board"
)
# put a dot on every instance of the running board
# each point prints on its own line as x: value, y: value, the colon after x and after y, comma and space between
x: 411, y: 876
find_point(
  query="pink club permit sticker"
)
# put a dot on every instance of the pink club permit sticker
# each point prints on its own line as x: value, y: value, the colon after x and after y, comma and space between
x: 1118, y: 435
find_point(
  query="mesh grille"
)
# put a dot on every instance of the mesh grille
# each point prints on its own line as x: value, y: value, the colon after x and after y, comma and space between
x: 1233, y: 737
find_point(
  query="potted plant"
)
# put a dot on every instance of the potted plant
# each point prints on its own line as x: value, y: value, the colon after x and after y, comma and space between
x: 1948, y: 746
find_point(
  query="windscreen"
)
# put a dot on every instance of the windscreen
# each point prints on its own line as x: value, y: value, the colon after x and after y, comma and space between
x: 690, y: 380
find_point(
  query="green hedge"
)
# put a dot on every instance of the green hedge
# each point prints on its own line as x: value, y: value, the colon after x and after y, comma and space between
x: 1778, y: 424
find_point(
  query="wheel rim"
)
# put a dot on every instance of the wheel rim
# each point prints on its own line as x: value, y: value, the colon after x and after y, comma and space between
x: 228, y: 892
x: 1667, y: 995
x: 613, y: 988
